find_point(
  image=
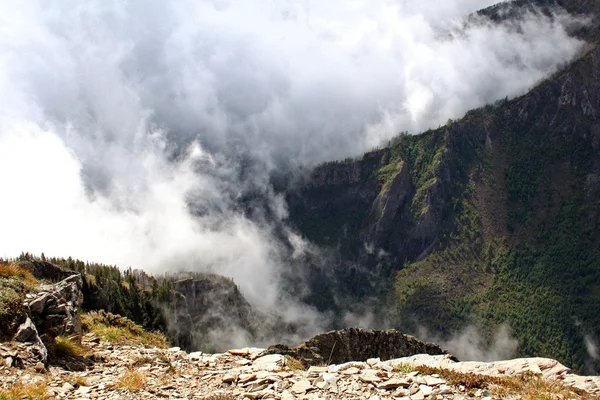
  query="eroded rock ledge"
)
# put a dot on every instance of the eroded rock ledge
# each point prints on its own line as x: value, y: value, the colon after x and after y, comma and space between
x: 355, y: 344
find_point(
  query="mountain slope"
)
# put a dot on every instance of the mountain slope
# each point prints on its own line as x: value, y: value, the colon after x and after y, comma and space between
x: 491, y: 219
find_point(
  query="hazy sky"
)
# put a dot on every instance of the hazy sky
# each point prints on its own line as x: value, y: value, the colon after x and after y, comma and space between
x: 116, y: 115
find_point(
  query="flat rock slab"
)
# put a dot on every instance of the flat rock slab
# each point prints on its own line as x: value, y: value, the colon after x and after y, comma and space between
x: 302, y: 387
x: 271, y: 362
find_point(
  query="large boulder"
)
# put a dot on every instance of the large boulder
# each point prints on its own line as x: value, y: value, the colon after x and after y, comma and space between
x: 355, y: 344
x: 54, y: 310
x: 28, y: 334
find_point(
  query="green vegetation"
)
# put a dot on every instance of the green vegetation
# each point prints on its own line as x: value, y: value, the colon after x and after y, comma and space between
x: 15, y: 283
x: 65, y: 347
x: 404, y: 368
x: 118, y: 329
x: 387, y: 173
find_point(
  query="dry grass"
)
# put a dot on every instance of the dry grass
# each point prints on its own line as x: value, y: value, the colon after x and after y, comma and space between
x: 120, y: 330
x: 30, y: 391
x: 526, y: 386
x: 132, y: 380
x: 294, y: 364
x: 404, y: 368
x: 12, y: 270
x: 65, y: 347
x: 78, y: 381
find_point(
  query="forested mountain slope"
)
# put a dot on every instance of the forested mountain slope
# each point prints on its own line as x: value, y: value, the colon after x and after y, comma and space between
x: 488, y: 220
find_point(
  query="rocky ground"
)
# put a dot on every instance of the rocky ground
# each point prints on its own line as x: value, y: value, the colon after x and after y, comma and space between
x: 56, y: 353
x: 142, y: 372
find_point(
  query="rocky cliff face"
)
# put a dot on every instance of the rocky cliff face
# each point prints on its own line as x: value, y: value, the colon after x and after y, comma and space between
x: 212, y: 311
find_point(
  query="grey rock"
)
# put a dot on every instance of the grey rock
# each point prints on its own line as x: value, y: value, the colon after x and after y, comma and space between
x: 393, y: 383
x: 55, y: 310
x: 302, y: 387
x: 355, y: 344
x: 38, y: 303
x: 27, y: 331
x: 271, y: 362
x: 426, y: 390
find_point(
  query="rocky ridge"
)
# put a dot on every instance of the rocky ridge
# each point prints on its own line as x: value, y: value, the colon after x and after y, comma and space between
x: 250, y: 373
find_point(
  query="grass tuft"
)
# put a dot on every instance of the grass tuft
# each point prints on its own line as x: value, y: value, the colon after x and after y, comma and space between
x: 132, y: 380
x: 12, y: 270
x: 63, y: 346
x: 294, y: 364
x: 29, y: 391
x: 404, y: 368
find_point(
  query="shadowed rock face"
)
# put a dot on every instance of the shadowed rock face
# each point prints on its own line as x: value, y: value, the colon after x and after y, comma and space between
x: 46, y: 270
x: 355, y: 344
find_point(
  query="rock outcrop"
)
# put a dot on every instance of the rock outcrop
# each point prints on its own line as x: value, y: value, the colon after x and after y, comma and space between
x: 355, y: 344
x: 51, y: 312
x: 55, y: 309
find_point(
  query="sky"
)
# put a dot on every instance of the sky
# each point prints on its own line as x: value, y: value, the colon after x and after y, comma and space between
x: 128, y: 127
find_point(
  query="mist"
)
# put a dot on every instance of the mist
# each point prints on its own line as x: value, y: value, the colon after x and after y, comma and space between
x: 470, y: 344
x: 130, y: 130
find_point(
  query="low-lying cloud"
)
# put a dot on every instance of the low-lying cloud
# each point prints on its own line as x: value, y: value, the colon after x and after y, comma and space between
x: 130, y: 130
x: 469, y: 344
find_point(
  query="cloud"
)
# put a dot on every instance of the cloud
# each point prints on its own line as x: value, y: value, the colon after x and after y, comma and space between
x: 591, y: 346
x: 131, y: 130
x: 470, y: 345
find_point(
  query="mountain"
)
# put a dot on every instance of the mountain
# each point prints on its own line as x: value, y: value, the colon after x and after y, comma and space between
x: 492, y: 219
